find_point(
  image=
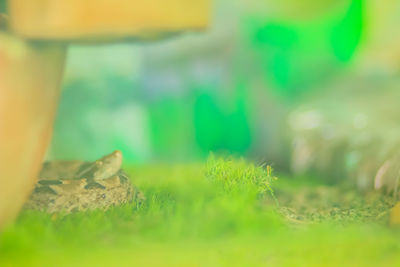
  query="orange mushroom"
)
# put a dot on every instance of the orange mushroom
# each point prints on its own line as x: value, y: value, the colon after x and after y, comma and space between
x: 106, y: 20
x: 30, y: 72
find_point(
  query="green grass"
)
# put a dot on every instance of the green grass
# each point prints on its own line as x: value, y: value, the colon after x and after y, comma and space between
x: 221, y: 213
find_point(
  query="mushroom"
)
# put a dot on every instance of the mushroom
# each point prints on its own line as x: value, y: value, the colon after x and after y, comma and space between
x: 34, y: 36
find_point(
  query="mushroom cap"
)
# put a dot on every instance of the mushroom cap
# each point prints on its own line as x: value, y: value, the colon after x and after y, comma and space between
x: 96, y: 21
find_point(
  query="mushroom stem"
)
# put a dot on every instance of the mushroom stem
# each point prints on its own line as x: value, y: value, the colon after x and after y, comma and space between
x: 30, y: 76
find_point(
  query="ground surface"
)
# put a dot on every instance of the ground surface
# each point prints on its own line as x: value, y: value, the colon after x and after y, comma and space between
x: 215, y: 214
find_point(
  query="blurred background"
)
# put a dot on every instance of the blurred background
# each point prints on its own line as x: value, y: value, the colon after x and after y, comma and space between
x: 281, y: 82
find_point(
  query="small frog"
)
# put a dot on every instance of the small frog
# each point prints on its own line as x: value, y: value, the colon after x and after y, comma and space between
x: 67, y: 186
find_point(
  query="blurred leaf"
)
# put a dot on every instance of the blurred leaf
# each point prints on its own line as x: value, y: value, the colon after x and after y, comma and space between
x: 3, y: 6
x: 347, y: 34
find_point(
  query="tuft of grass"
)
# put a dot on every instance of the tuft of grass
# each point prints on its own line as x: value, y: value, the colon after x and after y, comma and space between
x: 240, y: 175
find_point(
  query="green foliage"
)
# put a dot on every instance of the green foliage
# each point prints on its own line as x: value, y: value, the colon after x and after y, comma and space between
x: 218, y: 128
x: 298, y: 55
